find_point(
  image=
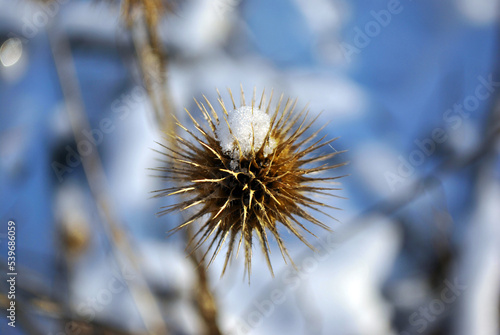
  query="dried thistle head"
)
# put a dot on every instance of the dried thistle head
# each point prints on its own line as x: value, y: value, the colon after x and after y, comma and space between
x: 247, y: 172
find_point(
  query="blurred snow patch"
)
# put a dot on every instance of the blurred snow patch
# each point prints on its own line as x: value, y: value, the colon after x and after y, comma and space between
x: 165, y: 265
x: 100, y: 292
x: 201, y: 25
x: 372, y: 162
x: 341, y: 99
x: 465, y: 139
x: 322, y: 15
x: 101, y: 289
x: 131, y: 159
x: 325, y: 18
x: 347, y: 285
x: 480, y: 266
x: 479, y: 11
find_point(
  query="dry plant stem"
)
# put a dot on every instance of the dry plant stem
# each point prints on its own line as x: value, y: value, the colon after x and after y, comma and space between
x: 204, y: 299
x: 153, y: 67
x: 45, y: 303
x: 25, y: 320
x: 144, y: 299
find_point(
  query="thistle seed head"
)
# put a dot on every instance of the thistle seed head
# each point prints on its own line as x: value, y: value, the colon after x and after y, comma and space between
x: 245, y: 172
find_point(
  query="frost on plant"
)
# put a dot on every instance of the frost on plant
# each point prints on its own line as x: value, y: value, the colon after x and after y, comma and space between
x: 245, y: 171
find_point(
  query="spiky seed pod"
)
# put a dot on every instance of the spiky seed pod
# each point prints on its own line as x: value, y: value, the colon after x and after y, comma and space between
x: 247, y: 172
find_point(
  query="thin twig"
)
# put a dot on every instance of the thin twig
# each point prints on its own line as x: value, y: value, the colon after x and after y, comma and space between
x: 144, y: 299
x: 153, y: 61
x: 205, y: 301
x: 153, y: 66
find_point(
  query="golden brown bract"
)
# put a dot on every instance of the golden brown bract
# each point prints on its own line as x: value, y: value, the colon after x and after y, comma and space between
x: 262, y: 191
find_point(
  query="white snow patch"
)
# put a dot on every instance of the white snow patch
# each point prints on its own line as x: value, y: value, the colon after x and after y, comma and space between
x: 480, y: 12
x: 248, y: 127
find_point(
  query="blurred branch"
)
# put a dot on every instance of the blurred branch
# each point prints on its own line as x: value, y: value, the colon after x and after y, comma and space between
x: 153, y: 65
x: 144, y: 299
x: 204, y: 299
x: 47, y: 303
x: 24, y: 320
x: 142, y: 17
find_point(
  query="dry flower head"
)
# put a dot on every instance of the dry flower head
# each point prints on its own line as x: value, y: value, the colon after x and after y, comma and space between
x: 241, y: 191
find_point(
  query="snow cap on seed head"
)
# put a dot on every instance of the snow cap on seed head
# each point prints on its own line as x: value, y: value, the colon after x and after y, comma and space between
x: 248, y: 128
